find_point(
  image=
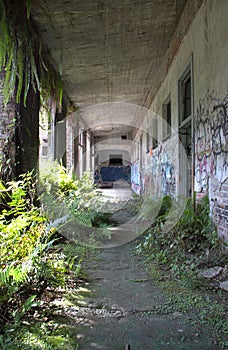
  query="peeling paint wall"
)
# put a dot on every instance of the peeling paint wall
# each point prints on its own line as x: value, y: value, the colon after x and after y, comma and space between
x: 211, y: 139
x: 105, y: 154
x: 205, y: 50
x: 135, y: 177
x: 160, y: 174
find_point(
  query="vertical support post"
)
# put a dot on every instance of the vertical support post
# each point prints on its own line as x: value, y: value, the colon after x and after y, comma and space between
x: 88, y: 152
x: 60, y: 141
x: 69, y: 143
x: 52, y: 130
x: 80, y: 153
x: 93, y: 158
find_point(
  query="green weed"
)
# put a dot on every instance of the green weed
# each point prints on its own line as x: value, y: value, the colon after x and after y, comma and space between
x: 31, y: 258
x: 186, y: 245
x: 176, y: 256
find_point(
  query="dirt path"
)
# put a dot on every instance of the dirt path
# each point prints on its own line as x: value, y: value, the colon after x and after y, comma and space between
x: 125, y: 308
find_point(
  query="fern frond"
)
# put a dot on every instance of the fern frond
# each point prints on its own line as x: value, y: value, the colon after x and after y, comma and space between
x: 20, y: 68
x: 21, y: 55
x: 28, y: 7
x: 27, y: 78
x: 34, y: 74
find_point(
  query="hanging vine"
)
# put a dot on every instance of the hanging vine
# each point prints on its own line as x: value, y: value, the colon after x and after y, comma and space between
x: 22, y: 55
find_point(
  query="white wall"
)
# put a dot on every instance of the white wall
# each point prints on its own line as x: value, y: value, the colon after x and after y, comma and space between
x: 206, y: 46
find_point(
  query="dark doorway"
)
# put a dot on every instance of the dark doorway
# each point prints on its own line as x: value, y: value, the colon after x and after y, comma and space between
x: 115, y: 160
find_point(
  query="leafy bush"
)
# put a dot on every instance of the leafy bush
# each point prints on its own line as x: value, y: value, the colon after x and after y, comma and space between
x: 24, y: 238
x: 32, y: 258
x: 187, y: 242
x: 29, y: 261
x: 77, y: 202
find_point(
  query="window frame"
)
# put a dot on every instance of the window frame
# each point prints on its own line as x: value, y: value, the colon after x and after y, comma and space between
x: 167, y: 118
x: 186, y: 121
x: 154, y: 132
x: 183, y: 99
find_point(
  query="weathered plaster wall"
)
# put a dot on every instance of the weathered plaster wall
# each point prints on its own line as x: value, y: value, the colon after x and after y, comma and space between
x: 211, y: 139
x: 112, y: 146
x: 136, y: 177
x: 71, y: 126
x: 105, y: 154
x: 206, y: 47
x: 60, y: 141
x: 211, y: 143
x: 79, y: 146
x: 159, y: 173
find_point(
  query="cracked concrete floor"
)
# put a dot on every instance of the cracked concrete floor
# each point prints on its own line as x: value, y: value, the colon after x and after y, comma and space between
x: 126, y: 308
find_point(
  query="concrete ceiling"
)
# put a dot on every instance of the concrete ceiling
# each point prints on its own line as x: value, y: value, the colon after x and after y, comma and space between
x: 108, y: 52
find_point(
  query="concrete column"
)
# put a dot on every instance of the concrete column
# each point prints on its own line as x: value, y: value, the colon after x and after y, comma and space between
x: 60, y: 134
x: 69, y: 143
x: 93, y: 157
x: 80, y: 153
x: 52, y: 131
x: 76, y: 144
x: 88, y: 152
x: 60, y: 141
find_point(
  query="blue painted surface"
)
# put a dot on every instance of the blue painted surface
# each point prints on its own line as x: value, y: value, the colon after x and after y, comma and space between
x: 114, y: 173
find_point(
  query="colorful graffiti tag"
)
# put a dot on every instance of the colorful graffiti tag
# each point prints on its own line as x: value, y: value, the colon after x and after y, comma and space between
x: 163, y: 168
x: 135, y: 177
x: 159, y: 174
x: 211, y: 140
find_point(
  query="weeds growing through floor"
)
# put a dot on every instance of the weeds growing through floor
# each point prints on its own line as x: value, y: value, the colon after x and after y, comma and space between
x: 192, y: 243
x: 175, y: 258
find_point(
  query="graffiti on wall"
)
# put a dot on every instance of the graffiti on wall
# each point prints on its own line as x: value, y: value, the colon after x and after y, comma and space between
x: 165, y: 171
x: 159, y: 175
x: 135, y: 177
x: 211, y: 140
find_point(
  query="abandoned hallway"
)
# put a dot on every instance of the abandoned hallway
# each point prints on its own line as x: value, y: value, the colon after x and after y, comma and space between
x: 133, y: 96
x: 140, y: 95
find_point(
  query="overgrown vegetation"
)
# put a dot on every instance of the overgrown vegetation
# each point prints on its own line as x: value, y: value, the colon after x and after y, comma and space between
x: 22, y: 55
x: 38, y: 265
x: 75, y: 201
x: 190, y: 244
x: 34, y: 259
x: 176, y: 257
